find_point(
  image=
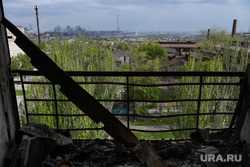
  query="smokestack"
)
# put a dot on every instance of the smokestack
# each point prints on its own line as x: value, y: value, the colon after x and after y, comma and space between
x: 118, y: 27
x: 208, y: 34
x: 37, y: 21
x: 234, y: 28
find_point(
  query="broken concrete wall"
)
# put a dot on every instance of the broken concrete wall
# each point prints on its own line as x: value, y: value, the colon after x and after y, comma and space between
x: 8, y: 118
x: 13, y: 48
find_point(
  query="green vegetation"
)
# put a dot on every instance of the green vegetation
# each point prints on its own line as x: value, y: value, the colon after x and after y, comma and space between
x: 123, y: 46
x: 153, y: 51
x: 154, y: 135
x: 19, y: 92
x: 152, y: 122
x: 81, y: 54
x: 224, y: 58
x: 21, y: 62
x: 76, y: 55
x: 145, y: 58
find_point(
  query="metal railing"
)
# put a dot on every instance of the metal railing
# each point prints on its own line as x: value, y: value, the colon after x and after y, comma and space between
x: 128, y: 100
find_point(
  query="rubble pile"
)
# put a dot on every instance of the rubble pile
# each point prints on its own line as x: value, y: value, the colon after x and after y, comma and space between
x: 41, y: 146
x: 94, y: 153
x: 100, y: 153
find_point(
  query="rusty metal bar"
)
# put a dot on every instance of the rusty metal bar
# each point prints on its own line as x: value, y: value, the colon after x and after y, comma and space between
x: 158, y: 101
x: 46, y: 100
x: 140, y: 74
x: 127, y: 79
x: 24, y: 98
x: 65, y: 100
x: 37, y: 83
x: 75, y: 129
x: 172, y: 130
x: 167, y: 130
x: 155, y: 85
x: 56, y: 108
x: 198, y: 105
x: 180, y: 100
x: 153, y: 101
x: 136, y: 115
x: 178, y: 115
x: 236, y: 84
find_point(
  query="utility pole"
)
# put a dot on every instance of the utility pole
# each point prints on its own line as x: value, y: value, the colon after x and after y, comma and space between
x: 37, y: 21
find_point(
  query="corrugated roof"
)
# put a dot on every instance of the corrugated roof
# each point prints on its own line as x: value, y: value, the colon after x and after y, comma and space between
x: 179, y: 45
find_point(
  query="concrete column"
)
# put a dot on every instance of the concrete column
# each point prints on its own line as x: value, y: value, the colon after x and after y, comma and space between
x: 9, y: 120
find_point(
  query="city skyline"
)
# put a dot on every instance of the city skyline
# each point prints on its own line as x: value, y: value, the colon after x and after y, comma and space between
x: 140, y: 15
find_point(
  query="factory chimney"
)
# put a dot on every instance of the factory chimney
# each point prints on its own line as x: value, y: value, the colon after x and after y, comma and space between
x: 118, y: 27
x: 234, y: 27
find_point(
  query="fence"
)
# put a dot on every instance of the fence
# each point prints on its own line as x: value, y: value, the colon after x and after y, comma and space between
x: 171, y: 82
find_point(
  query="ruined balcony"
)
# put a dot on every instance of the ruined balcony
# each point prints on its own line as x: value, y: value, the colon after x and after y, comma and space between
x: 207, y: 114
x: 211, y: 115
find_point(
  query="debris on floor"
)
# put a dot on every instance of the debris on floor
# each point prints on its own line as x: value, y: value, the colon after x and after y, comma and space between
x: 41, y: 146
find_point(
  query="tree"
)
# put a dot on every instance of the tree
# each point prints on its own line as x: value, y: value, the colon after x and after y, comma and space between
x: 228, y: 48
x: 139, y: 62
x: 192, y: 92
x: 79, y: 55
x: 123, y: 46
x: 227, y: 55
x: 21, y: 62
x: 153, y: 51
x: 215, y: 42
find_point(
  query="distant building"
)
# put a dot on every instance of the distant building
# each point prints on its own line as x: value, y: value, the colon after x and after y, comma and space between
x: 179, y: 48
x: 178, y: 53
x: 14, y: 49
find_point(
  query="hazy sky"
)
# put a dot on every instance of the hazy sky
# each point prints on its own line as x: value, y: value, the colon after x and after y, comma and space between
x: 140, y: 15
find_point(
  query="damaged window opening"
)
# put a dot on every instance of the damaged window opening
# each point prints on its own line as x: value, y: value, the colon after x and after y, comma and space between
x: 104, y: 131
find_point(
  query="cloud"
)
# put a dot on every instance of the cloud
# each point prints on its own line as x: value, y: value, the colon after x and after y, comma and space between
x: 143, y: 15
